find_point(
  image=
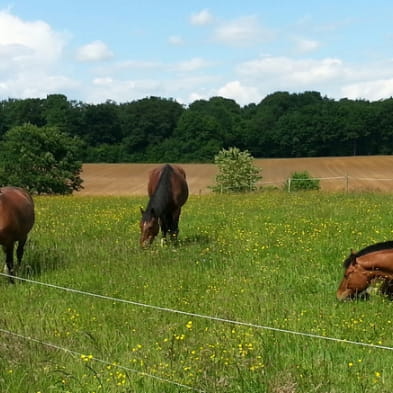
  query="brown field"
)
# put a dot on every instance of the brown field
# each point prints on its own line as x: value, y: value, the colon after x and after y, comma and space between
x: 368, y: 173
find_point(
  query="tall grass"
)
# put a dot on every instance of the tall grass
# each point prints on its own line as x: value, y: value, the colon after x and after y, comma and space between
x: 269, y: 259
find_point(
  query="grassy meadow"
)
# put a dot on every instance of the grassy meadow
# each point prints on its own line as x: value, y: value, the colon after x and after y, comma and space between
x: 268, y: 259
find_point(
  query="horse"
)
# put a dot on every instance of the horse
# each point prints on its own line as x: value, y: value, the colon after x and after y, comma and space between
x: 363, y: 267
x: 16, y: 220
x: 168, y: 192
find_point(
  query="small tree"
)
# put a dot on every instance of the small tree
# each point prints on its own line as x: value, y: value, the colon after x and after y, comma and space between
x: 302, y: 181
x: 236, y: 171
x: 40, y: 159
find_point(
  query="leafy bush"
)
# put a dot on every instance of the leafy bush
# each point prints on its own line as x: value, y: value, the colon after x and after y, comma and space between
x: 236, y: 171
x: 302, y: 181
x: 40, y: 159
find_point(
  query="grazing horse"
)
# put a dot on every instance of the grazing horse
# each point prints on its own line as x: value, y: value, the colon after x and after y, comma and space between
x: 168, y: 192
x: 363, y: 267
x: 16, y: 221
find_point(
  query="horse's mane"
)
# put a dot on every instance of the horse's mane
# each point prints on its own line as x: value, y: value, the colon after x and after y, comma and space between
x: 161, y: 197
x: 367, y: 250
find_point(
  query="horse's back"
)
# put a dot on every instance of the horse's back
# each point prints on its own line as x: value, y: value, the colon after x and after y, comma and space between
x: 381, y: 260
x: 179, y: 187
x: 154, y: 177
x: 16, y: 213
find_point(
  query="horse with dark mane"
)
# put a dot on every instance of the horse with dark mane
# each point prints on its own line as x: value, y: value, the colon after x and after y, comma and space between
x: 168, y: 192
x: 16, y: 221
x: 365, y: 266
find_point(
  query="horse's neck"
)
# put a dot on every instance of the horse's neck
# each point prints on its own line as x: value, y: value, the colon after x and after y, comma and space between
x: 161, y: 198
x: 378, y: 264
x: 157, y: 204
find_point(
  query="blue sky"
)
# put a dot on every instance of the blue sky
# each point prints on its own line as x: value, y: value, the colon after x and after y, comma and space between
x: 125, y: 50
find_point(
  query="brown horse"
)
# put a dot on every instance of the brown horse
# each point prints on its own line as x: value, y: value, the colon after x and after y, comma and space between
x: 365, y: 266
x: 16, y: 221
x: 168, y: 192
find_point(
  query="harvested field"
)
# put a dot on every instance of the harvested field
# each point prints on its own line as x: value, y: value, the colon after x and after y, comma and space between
x: 360, y: 173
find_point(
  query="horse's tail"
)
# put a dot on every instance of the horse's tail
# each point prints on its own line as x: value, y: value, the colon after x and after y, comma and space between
x: 350, y: 259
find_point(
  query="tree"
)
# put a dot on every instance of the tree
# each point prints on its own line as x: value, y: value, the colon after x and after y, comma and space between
x: 227, y: 114
x: 196, y: 138
x: 18, y: 112
x: 57, y: 111
x: 236, y: 171
x: 146, y: 125
x: 40, y: 159
x: 102, y: 124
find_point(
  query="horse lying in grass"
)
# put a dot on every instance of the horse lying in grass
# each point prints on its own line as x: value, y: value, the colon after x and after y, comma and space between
x: 168, y: 192
x: 363, y: 267
x: 16, y: 221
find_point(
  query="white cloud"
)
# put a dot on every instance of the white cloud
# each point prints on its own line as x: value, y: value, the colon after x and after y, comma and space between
x: 244, y: 31
x: 195, y: 97
x: 140, y: 68
x: 175, y: 40
x: 24, y: 44
x: 293, y: 71
x: 103, y: 81
x: 138, y: 65
x: 303, y: 45
x: 110, y: 88
x: 330, y: 76
x: 374, y: 90
x: 35, y: 85
x: 191, y: 65
x: 241, y: 94
x: 203, y: 17
x: 30, y: 58
x: 94, y: 51
x: 124, y: 90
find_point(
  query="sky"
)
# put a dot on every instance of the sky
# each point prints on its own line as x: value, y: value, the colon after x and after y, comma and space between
x: 124, y: 50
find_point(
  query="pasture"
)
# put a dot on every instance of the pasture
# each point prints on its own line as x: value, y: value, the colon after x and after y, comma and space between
x: 271, y: 261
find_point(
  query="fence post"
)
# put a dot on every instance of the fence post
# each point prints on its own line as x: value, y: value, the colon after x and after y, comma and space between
x: 289, y: 185
x: 346, y: 183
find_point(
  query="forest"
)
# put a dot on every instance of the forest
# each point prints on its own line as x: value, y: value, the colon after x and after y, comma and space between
x: 155, y: 129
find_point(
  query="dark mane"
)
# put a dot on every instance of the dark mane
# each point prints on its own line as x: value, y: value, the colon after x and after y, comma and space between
x: 367, y: 250
x: 161, y: 198
x: 349, y: 260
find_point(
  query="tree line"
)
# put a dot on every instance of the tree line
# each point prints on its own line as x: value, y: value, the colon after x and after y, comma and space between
x: 156, y: 129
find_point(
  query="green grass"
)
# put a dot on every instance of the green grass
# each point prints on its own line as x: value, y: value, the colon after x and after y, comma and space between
x: 270, y: 259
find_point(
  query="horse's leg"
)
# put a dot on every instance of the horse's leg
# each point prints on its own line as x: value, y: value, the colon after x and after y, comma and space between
x: 174, y: 230
x: 20, y: 250
x: 164, y: 229
x: 9, y: 260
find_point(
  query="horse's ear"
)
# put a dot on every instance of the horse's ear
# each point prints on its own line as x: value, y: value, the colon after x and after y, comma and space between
x: 353, y: 257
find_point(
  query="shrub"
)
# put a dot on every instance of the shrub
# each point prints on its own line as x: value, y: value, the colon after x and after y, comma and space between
x: 236, y: 171
x: 302, y: 181
x: 42, y: 160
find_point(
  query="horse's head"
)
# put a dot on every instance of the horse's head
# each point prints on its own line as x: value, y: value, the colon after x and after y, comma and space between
x: 355, y: 282
x: 149, y: 227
